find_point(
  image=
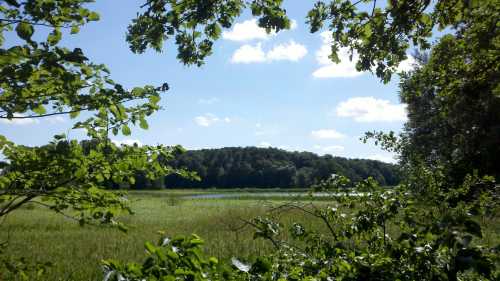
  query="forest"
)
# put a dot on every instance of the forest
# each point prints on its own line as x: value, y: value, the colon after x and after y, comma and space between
x: 235, y: 167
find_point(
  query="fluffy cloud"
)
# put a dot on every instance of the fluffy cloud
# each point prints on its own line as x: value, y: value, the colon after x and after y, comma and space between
x: 347, y: 67
x: 264, y: 144
x: 370, y: 109
x: 20, y: 121
x: 329, y: 149
x: 245, y: 31
x: 211, y: 100
x: 407, y: 65
x: 130, y: 142
x: 250, y: 30
x: 209, y: 119
x: 290, y: 51
x: 249, y: 54
x: 327, y: 134
x: 329, y: 69
x: 382, y: 158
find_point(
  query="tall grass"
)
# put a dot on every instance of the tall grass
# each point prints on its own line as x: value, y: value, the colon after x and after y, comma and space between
x: 41, y: 235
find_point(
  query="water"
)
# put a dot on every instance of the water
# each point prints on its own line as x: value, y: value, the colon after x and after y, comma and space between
x: 265, y: 194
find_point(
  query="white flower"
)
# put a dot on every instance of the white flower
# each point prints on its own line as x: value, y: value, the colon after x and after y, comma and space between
x: 165, y: 241
x: 239, y: 265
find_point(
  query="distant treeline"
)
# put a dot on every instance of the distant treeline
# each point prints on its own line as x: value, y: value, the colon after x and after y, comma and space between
x: 236, y: 167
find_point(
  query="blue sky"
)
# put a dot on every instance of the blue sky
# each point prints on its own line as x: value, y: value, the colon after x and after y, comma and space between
x: 255, y: 90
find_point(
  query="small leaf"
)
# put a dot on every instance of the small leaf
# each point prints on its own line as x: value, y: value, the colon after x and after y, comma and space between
x: 93, y: 16
x: 25, y: 30
x: 75, y: 29
x: 126, y: 130
x: 143, y: 124
x: 54, y: 37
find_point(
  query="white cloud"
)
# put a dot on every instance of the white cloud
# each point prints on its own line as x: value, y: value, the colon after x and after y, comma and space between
x: 290, y: 51
x: 206, y: 120
x: 346, y: 68
x: 246, y: 31
x: 56, y: 120
x: 249, y: 54
x: 129, y: 142
x: 383, y: 158
x: 330, y: 149
x: 264, y: 144
x: 327, y: 134
x: 249, y: 30
x: 258, y: 125
x: 210, y: 119
x: 370, y: 109
x: 20, y: 121
x: 407, y: 65
x: 208, y: 101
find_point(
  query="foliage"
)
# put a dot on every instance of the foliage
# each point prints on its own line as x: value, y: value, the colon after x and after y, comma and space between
x: 380, y: 36
x: 271, y: 167
x: 373, y: 234
x: 437, y: 242
x: 453, y: 99
x: 178, y: 259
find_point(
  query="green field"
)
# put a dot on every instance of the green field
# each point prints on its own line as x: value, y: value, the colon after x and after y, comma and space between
x: 39, y: 234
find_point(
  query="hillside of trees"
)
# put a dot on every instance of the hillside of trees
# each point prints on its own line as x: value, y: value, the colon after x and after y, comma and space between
x: 234, y: 167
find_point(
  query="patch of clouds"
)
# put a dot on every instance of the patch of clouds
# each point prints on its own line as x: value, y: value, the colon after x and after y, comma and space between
x: 20, y: 121
x: 246, y: 31
x: 327, y: 134
x: 208, y: 101
x: 290, y: 51
x: 250, y: 30
x: 329, y: 149
x: 407, y: 65
x: 129, y: 142
x: 56, y: 120
x: 210, y: 119
x: 346, y: 68
x: 249, y: 54
x: 383, y: 158
x: 264, y: 144
x: 370, y: 109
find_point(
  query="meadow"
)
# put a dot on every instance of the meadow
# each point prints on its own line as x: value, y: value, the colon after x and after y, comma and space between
x: 41, y: 235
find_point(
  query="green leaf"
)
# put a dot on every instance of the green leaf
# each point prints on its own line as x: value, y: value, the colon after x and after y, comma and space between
x: 143, y: 124
x: 54, y: 37
x: 126, y: 130
x: 24, y: 30
x: 75, y: 29
x: 40, y: 109
x: 93, y: 16
x: 74, y: 114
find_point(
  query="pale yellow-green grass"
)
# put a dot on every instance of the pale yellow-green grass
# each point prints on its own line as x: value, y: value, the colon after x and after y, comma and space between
x: 39, y: 234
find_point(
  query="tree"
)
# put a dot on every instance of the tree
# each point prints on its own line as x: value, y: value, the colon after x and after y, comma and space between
x: 40, y: 79
x: 453, y: 99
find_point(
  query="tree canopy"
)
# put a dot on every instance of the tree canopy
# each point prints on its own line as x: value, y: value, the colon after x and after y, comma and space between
x: 234, y: 167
